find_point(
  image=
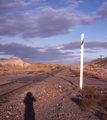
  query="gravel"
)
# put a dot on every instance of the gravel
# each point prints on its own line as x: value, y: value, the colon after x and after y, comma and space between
x: 52, y: 99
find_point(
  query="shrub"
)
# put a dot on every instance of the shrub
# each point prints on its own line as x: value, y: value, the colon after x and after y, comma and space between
x: 1, y: 65
x: 57, y: 66
x: 40, y: 66
x: 105, y: 67
x: 92, y: 65
x: 46, y: 66
x: 91, y: 99
x: 8, y: 65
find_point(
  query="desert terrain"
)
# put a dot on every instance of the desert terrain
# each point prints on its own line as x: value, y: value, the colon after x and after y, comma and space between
x: 58, y: 97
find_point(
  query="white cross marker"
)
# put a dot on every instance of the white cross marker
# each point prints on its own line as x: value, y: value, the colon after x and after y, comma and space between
x: 81, y: 67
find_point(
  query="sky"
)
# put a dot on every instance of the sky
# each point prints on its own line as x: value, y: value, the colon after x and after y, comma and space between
x: 49, y: 31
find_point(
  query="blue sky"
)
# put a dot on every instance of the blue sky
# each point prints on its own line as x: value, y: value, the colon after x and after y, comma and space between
x: 50, y: 30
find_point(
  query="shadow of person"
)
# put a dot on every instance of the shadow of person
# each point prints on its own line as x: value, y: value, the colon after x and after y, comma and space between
x: 29, y: 110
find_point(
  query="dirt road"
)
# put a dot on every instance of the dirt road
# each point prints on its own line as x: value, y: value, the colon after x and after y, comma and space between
x: 89, y: 81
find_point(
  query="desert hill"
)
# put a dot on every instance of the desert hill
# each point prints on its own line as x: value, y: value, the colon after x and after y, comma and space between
x: 100, y: 61
x: 14, y: 62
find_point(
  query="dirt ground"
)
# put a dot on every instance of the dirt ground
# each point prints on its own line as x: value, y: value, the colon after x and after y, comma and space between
x: 54, y: 98
x: 7, y: 78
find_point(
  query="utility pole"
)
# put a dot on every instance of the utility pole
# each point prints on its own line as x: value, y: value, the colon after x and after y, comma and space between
x: 23, y: 57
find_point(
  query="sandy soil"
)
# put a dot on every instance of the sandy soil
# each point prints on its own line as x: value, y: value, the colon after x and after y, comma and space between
x: 8, y: 78
x: 54, y: 98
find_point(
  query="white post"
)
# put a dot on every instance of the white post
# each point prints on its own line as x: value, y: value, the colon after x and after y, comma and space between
x: 81, y: 67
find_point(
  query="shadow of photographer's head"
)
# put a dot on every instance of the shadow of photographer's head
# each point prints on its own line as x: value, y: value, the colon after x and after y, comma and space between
x: 29, y: 95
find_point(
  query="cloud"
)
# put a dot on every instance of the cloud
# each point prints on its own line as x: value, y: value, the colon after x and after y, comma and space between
x: 100, y: 14
x: 90, y: 51
x: 102, y: 11
x: 47, y: 54
x: 6, y: 5
x: 87, y: 45
x: 33, y: 53
x: 5, y: 40
x: 81, y: 1
x: 72, y: 45
x: 2, y: 52
x: 51, y: 22
x: 48, y: 22
x: 74, y: 3
x: 15, y: 23
x: 44, y: 21
x: 96, y: 44
x: 31, y: 40
x: 59, y: 47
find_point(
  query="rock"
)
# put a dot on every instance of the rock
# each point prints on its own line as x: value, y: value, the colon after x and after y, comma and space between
x: 9, y: 113
x: 7, y: 116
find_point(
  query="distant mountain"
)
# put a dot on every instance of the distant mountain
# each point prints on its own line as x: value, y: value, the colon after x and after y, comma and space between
x: 14, y: 61
x: 3, y: 58
x: 100, y: 61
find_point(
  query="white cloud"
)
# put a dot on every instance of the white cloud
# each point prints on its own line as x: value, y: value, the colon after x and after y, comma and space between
x: 2, y: 52
x: 59, y: 47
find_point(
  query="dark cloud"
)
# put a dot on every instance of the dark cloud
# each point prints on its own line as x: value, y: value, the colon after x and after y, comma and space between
x: 55, y: 53
x: 3, y: 59
x: 15, y: 23
x: 49, y: 23
x: 33, y: 53
x: 71, y: 45
x: 87, y: 45
x: 96, y: 44
x: 85, y: 20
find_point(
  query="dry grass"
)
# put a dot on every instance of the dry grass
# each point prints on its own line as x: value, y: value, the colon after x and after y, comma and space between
x: 7, y: 71
x: 102, y: 115
x: 13, y: 71
x: 92, y: 100
x: 90, y: 74
x: 41, y: 70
